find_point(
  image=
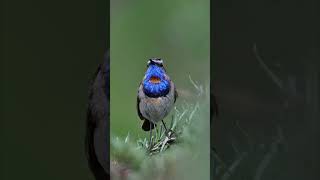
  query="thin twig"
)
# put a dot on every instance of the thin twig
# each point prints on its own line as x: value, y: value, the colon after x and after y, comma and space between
x: 269, y: 156
x: 234, y: 165
x: 272, y: 75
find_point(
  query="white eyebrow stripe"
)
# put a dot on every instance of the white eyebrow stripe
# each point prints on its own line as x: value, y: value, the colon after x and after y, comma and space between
x: 155, y: 60
x: 158, y: 61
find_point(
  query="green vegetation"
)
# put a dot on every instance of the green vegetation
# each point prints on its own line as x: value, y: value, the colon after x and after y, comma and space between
x: 185, y: 157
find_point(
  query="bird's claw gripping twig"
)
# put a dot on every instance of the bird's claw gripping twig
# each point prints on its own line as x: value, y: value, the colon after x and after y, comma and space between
x: 171, y: 135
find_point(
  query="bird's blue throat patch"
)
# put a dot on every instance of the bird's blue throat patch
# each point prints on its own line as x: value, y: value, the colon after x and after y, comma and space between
x: 155, y: 84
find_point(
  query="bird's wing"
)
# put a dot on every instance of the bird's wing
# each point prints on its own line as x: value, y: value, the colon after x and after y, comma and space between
x: 138, y: 103
x: 175, y: 94
x: 147, y: 125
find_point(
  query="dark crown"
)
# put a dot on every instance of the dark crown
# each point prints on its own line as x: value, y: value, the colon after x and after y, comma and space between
x: 156, y: 61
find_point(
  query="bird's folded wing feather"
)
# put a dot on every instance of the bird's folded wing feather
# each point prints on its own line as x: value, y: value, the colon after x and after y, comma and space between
x: 175, y: 94
x: 138, y: 103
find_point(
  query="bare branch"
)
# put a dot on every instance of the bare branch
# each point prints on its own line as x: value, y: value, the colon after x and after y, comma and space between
x: 271, y: 74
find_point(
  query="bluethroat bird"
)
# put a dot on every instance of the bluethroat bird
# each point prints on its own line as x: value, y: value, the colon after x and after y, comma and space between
x: 156, y: 95
x: 96, y: 139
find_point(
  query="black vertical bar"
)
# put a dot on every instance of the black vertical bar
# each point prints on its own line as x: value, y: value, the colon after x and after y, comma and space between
x: 97, y: 141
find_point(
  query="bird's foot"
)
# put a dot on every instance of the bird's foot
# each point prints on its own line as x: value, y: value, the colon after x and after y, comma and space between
x: 171, y: 135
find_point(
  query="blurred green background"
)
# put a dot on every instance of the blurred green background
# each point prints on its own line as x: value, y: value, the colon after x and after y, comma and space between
x: 176, y: 31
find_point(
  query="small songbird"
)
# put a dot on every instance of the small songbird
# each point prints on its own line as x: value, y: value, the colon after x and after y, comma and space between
x: 156, y: 95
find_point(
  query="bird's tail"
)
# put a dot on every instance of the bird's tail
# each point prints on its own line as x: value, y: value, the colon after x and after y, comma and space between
x: 147, y: 124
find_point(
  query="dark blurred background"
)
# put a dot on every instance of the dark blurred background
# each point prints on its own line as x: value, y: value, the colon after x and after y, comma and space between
x: 268, y: 124
x: 51, y: 50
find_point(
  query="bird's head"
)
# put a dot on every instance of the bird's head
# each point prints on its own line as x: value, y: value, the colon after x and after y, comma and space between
x: 155, y: 62
x: 156, y: 82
